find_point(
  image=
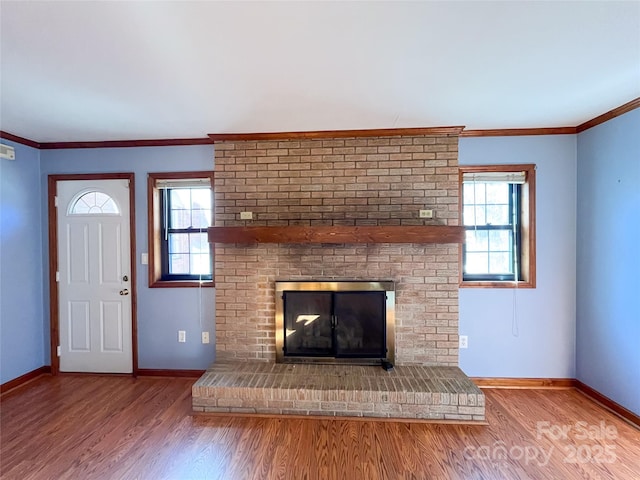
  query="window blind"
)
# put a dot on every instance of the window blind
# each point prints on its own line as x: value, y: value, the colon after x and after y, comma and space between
x: 494, y: 177
x: 183, y: 183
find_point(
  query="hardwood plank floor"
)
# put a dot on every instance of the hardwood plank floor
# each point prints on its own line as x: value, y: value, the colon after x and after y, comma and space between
x: 99, y: 427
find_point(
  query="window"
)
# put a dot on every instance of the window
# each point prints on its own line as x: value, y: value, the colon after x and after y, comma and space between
x: 94, y: 203
x: 498, y: 213
x: 180, y: 211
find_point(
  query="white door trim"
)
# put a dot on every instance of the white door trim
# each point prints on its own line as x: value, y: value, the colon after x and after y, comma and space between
x: 54, y: 261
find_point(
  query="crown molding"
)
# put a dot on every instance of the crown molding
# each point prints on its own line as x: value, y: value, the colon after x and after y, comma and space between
x: 164, y: 142
x: 605, y: 117
x: 315, y: 134
x: 15, y: 138
x: 513, y: 132
x: 161, y: 142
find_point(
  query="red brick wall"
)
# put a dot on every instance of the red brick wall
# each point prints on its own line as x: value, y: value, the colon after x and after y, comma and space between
x: 354, y: 181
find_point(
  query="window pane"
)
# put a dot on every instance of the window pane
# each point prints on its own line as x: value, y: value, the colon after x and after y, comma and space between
x: 500, y: 240
x: 178, y: 243
x: 498, y: 214
x: 478, y: 215
x: 497, y: 193
x: 109, y: 206
x: 200, y: 264
x: 180, y: 198
x: 473, y: 193
x: 467, y: 215
x: 80, y: 207
x: 477, y: 241
x: 101, y: 198
x: 500, y: 263
x: 474, y: 215
x: 199, y: 243
x: 476, y: 263
x: 201, y: 198
x: 201, y: 218
x: 180, y: 218
x: 179, y: 263
x: 468, y: 197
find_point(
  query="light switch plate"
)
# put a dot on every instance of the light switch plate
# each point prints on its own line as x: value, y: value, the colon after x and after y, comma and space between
x: 246, y: 215
x: 144, y: 259
x: 426, y: 213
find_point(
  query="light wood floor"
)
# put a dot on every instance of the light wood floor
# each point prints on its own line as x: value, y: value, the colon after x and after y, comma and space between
x: 86, y: 427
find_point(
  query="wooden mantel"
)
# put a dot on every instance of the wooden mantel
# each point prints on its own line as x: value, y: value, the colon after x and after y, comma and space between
x: 338, y: 234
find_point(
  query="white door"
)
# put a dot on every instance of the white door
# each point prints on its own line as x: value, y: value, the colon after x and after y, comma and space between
x: 94, y: 276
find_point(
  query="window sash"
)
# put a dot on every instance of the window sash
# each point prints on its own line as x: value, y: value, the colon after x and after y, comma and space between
x: 165, y: 203
x: 514, y: 225
x: 168, y: 227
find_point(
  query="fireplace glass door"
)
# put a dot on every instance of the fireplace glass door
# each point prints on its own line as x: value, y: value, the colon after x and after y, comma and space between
x: 308, y: 324
x: 335, y: 324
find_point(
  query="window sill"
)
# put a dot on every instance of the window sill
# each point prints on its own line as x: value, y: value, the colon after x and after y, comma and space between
x: 182, y: 284
x: 505, y: 284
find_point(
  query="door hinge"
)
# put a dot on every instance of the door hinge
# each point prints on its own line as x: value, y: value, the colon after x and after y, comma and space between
x: 57, y: 276
x: 55, y: 201
x: 58, y: 350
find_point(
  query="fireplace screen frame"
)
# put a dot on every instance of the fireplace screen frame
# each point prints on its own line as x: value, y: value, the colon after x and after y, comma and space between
x: 386, y: 286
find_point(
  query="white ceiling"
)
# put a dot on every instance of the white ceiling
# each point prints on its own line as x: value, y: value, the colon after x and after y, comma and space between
x: 83, y: 71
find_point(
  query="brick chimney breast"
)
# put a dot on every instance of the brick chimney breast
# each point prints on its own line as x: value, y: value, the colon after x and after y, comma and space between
x: 373, y: 181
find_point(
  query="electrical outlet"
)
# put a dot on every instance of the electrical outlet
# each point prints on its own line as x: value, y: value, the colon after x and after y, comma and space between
x: 426, y: 213
x: 246, y: 215
x: 182, y: 336
x: 464, y: 341
x: 205, y: 337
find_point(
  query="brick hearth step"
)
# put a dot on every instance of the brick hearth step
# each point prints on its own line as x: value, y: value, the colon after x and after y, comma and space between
x: 418, y: 392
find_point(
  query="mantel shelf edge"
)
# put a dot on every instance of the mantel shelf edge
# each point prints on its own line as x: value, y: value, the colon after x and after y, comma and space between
x: 337, y: 234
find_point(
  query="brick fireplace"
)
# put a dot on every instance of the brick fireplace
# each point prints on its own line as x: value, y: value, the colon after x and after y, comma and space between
x: 369, y: 181
x: 338, y: 210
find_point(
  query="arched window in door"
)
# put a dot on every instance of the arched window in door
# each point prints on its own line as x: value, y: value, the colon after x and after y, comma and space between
x: 94, y: 203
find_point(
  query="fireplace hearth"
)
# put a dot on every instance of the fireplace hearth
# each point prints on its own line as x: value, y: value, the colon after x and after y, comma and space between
x: 335, y: 322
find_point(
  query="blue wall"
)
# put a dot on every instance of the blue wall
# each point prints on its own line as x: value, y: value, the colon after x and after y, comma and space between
x: 523, y: 333
x: 528, y: 332
x: 21, y: 329
x: 608, y: 245
x: 161, y: 311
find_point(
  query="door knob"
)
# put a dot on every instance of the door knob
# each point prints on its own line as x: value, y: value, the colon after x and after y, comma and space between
x: 124, y: 291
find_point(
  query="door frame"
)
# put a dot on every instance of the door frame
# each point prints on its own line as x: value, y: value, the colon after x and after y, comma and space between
x: 54, y: 300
